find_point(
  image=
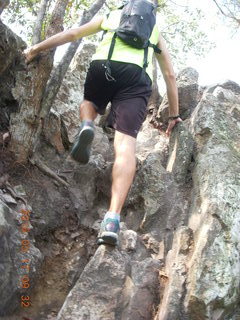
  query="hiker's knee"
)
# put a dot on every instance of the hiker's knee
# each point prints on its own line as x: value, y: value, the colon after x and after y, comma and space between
x: 87, y: 109
x: 85, y: 104
x: 124, y: 145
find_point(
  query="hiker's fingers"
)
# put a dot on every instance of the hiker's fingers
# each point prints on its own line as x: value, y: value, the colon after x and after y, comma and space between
x: 171, y: 125
x: 28, y: 54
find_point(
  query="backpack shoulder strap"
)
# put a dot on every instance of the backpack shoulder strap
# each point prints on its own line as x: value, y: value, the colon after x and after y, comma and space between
x: 112, y: 45
x: 108, y: 72
x: 145, y: 59
x: 155, y: 47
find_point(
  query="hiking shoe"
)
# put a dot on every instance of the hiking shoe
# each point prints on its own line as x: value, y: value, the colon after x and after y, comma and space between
x: 82, y: 145
x: 109, y: 230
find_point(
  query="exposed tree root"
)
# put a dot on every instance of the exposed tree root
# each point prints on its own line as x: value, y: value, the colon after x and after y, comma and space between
x: 45, y: 169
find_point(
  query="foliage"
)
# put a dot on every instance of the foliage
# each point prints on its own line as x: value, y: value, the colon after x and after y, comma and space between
x: 182, y: 32
x: 230, y: 9
x: 19, y: 13
x: 179, y: 25
x: 23, y: 13
x: 74, y: 11
x: 18, y: 7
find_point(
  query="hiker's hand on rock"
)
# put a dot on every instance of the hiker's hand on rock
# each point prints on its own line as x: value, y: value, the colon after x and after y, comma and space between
x: 29, y: 54
x: 171, y: 124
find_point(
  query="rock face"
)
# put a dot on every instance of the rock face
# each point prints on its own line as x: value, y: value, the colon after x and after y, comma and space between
x: 10, y: 56
x: 216, y: 187
x: 19, y: 259
x: 187, y: 81
x: 178, y: 257
x: 187, y: 214
x: 209, y: 285
x: 117, y: 283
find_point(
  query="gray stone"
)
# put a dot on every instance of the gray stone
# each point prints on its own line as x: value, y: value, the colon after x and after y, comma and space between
x: 129, y: 240
x: 150, y: 140
x: 7, y: 198
x: 228, y: 85
x: 11, y: 61
x: 187, y: 82
x: 11, y: 261
x: 174, y: 272
x: 116, y: 285
x: 156, y: 198
x: 96, y: 294
x: 141, y: 290
x: 209, y: 282
x: 184, y: 220
x: 214, y: 214
x: 180, y: 154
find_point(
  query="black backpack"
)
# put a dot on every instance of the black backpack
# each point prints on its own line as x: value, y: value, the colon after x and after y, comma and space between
x: 136, y: 25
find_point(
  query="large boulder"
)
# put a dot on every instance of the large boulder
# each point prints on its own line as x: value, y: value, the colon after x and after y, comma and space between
x: 187, y: 82
x: 116, y: 284
x: 11, y: 60
x: 210, y: 271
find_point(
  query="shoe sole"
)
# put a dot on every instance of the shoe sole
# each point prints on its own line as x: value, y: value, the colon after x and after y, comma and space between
x: 108, y: 237
x: 81, y: 148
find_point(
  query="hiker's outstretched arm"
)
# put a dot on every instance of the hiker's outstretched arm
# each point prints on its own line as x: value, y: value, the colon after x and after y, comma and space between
x: 60, y: 38
x: 166, y: 67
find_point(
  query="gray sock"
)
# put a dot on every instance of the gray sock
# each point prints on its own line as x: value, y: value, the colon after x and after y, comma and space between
x: 89, y: 123
x: 112, y: 215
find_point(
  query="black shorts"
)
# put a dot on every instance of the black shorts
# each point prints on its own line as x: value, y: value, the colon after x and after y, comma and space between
x: 128, y: 95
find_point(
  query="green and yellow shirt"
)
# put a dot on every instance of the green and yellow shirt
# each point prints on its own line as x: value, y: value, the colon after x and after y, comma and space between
x: 122, y: 51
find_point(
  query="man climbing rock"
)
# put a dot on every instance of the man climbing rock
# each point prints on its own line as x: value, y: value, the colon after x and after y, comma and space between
x: 120, y: 73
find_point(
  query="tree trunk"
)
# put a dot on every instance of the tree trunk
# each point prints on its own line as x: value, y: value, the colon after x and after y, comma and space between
x: 60, y: 71
x: 3, y: 5
x: 39, y: 22
x: 26, y: 125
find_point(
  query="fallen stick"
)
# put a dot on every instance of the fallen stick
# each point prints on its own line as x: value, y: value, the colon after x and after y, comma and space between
x: 45, y: 169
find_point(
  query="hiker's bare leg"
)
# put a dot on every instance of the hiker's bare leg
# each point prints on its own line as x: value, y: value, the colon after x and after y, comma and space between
x: 87, y: 111
x: 123, y: 169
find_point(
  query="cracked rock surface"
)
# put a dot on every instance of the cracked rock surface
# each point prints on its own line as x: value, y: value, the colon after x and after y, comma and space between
x: 179, y: 253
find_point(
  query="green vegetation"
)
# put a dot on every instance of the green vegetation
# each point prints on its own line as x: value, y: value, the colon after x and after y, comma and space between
x: 178, y: 24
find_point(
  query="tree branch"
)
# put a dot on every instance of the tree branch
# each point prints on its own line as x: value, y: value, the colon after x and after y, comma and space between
x: 56, y: 23
x: 45, y: 169
x: 231, y: 16
x: 39, y: 22
x: 61, y: 69
x: 219, y: 8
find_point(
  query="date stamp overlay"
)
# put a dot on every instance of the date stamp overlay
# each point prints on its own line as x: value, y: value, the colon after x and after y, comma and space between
x: 25, y: 264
